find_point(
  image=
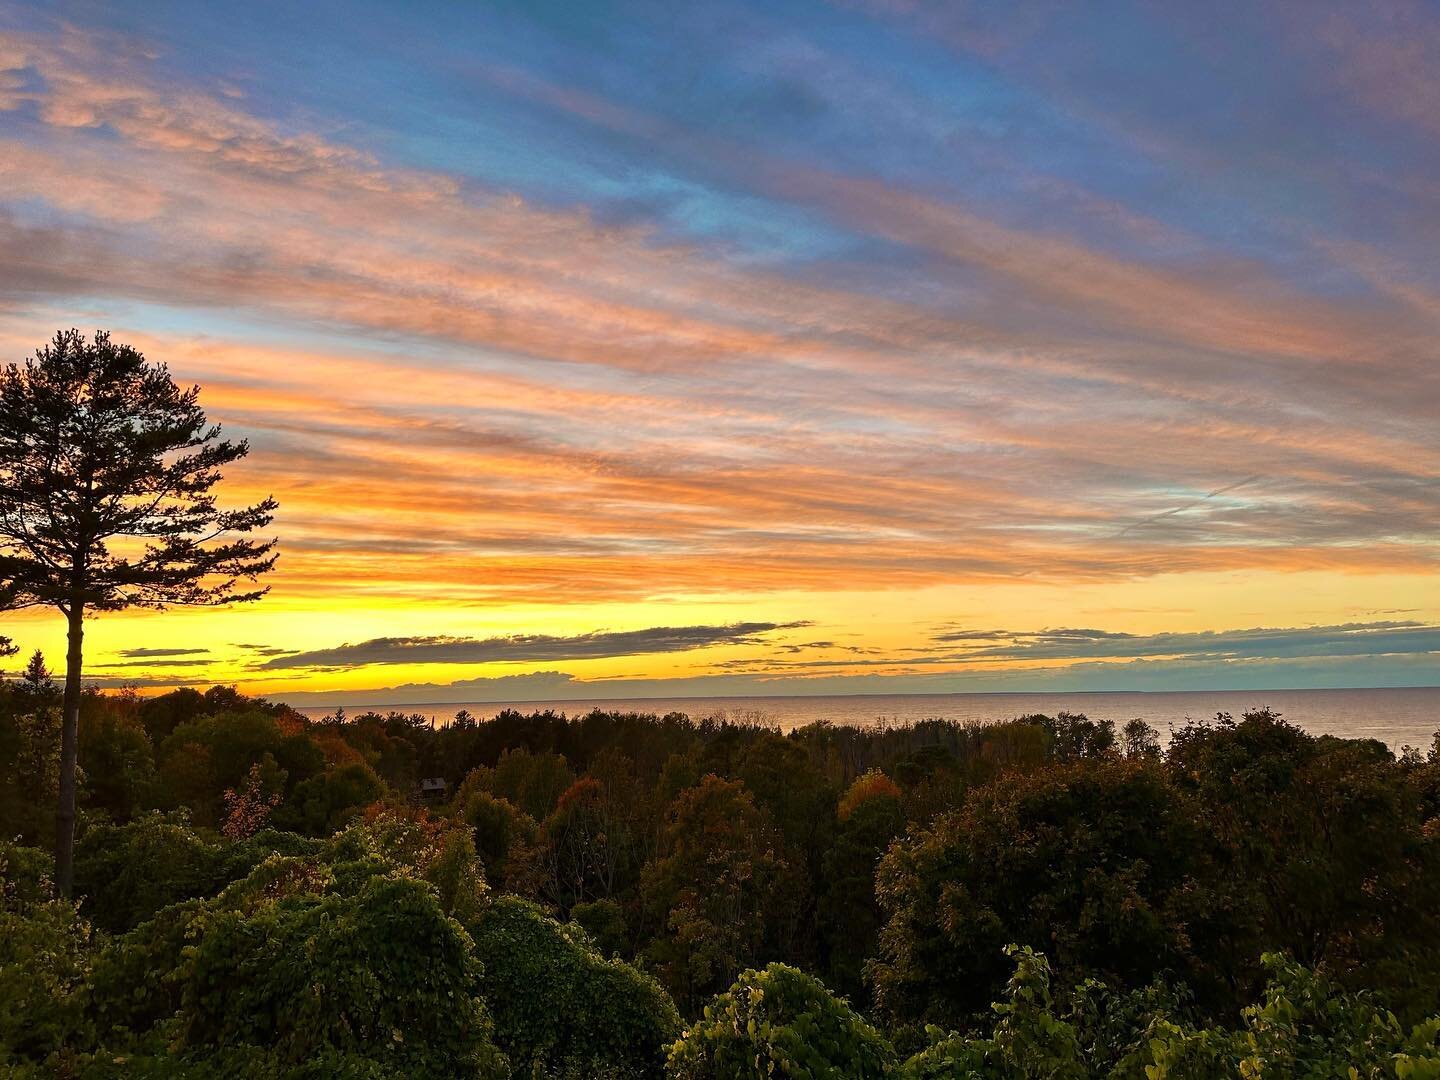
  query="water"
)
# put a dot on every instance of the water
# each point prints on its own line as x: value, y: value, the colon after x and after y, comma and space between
x: 1398, y: 717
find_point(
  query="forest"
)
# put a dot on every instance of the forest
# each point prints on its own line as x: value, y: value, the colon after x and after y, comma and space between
x: 260, y: 894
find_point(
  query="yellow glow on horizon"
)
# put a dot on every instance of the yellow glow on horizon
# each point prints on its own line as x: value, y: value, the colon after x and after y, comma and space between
x: 886, y: 621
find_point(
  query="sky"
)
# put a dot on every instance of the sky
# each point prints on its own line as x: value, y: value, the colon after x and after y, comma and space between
x: 867, y: 346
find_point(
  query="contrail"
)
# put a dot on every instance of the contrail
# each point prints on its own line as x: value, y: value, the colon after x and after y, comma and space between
x: 1190, y: 505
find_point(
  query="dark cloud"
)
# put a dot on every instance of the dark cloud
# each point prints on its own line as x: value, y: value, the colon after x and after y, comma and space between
x: 263, y: 650
x: 1060, y: 634
x: 1372, y: 639
x: 135, y: 654
x: 805, y: 646
x: 974, y: 635
x: 157, y: 662
x: 529, y: 647
x: 1344, y: 639
x: 531, y: 686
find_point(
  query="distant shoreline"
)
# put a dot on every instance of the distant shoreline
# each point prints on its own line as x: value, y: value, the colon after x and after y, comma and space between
x: 587, y: 699
x: 1398, y: 716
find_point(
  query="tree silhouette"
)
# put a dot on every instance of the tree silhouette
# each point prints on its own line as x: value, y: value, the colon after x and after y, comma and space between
x: 106, y: 469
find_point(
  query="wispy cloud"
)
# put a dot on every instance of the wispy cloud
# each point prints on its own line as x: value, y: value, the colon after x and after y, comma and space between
x: 155, y: 664
x: 140, y: 653
x: 530, y: 647
x: 1346, y: 639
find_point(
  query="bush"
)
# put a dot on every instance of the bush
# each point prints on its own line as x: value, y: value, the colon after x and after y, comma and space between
x: 507, y: 840
x: 560, y: 1007
x: 604, y: 921
x: 128, y: 873
x: 1304, y: 1030
x: 44, y: 964
x: 320, y: 805
x: 382, y: 973
x: 24, y: 874
x: 779, y: 1021
x: 342, y: 953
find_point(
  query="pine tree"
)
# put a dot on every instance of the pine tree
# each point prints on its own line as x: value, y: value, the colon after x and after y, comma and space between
x: 106, y: 471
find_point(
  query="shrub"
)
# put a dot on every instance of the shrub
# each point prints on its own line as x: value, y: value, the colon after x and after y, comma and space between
x: 382, y: 973
x: 24, y: 874
x: 1304, y: 1030
x: 506, y: 838
x: 604, y: 921
x: 128, y: 873
x: 560, y: 1007
x: 44, y: 964
x: 1029, y: 1040
x: 779, y: 1021
x: 320, y: 805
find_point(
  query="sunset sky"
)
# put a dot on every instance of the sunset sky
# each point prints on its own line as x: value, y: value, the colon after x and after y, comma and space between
x: 873, y: 346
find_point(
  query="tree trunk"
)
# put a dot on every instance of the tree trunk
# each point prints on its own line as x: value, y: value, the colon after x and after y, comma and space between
x: 69, y: 742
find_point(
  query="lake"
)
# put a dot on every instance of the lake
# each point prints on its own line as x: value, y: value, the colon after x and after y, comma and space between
x: 1398, y: 717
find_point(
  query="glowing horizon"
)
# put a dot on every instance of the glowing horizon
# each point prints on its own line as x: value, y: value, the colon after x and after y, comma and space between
x: 868, y: 345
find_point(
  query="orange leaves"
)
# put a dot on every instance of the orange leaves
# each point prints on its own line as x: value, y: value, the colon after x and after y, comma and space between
x: 872, y: 785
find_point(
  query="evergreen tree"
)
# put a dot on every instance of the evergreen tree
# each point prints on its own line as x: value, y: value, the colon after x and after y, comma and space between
x: 106, y: 471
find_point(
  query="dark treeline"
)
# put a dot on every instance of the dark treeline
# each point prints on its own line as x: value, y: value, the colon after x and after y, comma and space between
x: 258, y: 893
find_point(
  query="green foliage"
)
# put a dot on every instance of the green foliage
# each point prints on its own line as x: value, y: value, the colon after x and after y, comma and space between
x: 25, y: 874
x: 162, y: 714
x: 320, y: 805
x: 1335, y: 859
x: 231, y: 1063
x: 871, y: 815
x: 44, y: 966
x: 215, y: 957
x: 29, y: 762
x: 779, y: 1021
x: 604, y: 921
x: 561, y: 1008
x: 381, y: 971
x: 1097, y: 862
x: 721, y: 894
x: 533, y: 782
x: 115, y: 759
x: 507, y: 840
x: 344, y: 952
x: 127, y: 873
x: 204, y: 757
x: 784, y: 781
x: 1303, y: 1030
x: 1029, y: 1041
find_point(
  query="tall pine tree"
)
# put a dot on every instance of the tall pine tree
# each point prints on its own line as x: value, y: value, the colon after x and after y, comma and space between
x: 106, y: 472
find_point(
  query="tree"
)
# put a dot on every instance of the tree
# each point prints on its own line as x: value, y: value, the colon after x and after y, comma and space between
x: 1099, y: 862
x: 869, y: 816
x: 1332, y: 860
x: 560, y: 1007
x: 722, y: 895
x: 780, y: 1022
x: 36, y: 677
x: 106, y: 471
